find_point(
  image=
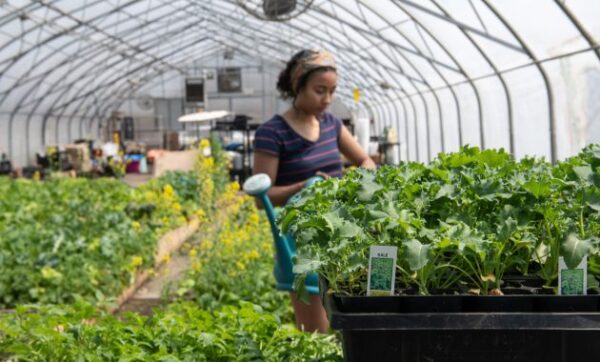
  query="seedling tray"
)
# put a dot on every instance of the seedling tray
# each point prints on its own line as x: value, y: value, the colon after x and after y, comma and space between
x: 467, y: 328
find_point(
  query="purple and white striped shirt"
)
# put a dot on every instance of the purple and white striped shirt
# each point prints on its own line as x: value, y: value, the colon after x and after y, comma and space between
x: 299, y: 158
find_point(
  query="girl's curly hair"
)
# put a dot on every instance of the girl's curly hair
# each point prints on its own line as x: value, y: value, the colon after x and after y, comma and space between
x: 284, y: 83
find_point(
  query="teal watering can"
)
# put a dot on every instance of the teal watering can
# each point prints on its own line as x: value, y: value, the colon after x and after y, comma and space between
x: 285, y: 246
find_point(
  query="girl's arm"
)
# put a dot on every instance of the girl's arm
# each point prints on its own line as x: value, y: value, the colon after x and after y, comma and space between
x: 353, y: 151
x: 279, y: 195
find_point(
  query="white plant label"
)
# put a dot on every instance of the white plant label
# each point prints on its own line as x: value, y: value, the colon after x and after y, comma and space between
x: 572, y: 281
x: 382, y: 270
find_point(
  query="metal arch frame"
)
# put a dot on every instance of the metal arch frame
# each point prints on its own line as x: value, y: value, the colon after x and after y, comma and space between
x: 466, y: 31
x: 431, y: 61
x: 551, y: 116
x: 90, y: 93
x: 408, y: 79
x: 53, y: 88
x: 123, y: 91
x: 291, y: 45
x: 255, y: 56
x: 92, y: 106
x: 91, y: 54
x: 114, y: 81
x: 323, y: 40
x: 357, y: 70
x: 85, y: 60
x: 24, y: 79
x: 461, y: 70
x: 157, y: 42
x: 394, y: 105
x: 15, y: 13
x: 391, y: 60
x: 414, y: 117
x: 58, y: 67
x: 436, y: 98
x: 110, y: 77
x: 463, y: 73
x: 212, y: 48
x: 383, y: 39
x: 462, y: 25
x: 15, y: 59
x: 498, y: 74
x: 52, y: 37
x: 88, y: 24
x: 582, y: 30
x: 132, y: 90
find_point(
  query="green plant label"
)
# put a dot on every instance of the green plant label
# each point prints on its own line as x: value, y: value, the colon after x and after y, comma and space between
x: 572, y: 281
x: 382, y: 270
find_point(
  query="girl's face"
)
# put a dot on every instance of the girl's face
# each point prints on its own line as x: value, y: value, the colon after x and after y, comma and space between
x: 317, y: 94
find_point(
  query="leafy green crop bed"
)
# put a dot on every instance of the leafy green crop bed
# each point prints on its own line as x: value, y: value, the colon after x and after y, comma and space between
x: 65, y: 239
x: 461, y: 224
x: 181, y: 332
x: 235, y: 313
x: 237, y: 265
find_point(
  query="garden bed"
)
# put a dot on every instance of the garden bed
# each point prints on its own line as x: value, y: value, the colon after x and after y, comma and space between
x: 168, y: 244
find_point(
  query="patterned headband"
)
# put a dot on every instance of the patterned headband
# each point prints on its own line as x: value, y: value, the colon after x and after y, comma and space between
x: 309, y: 60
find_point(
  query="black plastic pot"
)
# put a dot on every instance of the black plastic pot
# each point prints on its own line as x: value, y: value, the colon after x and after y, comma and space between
x: 467, y: 328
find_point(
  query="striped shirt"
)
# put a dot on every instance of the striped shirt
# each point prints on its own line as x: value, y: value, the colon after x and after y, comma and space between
x: 299, y: 158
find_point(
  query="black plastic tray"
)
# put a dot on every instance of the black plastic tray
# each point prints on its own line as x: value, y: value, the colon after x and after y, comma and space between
x: 468, y: 304
x: 468, y: 328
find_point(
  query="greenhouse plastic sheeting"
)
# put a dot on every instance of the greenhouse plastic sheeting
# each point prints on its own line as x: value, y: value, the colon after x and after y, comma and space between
x: 523, y: 75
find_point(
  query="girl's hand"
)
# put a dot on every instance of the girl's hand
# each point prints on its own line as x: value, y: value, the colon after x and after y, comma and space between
x: 322, y: 174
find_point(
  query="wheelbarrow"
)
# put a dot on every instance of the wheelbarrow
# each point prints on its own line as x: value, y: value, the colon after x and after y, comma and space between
x: 285, y: 246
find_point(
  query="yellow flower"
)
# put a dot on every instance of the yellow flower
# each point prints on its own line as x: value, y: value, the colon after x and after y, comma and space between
x: 253, y: 218
x: 136, y: 225
x: 204, y: 143
x: 136, y: 261
x: 253, y: 254
x: 166, y: 258
x: 168, y: 191
x: 208, y: 162
x: 193, y: 253
x: 94, y: 245
x: 226, y: 241
x: 50, y: 273
x: 177, y: 207
x: 240, y: 265
x: 201, y: 215
x: 149, y: 195
x: 206, y: 245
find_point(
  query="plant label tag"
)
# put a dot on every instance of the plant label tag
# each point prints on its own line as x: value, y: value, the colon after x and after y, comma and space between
x: 382, y: 270
x: 572, y: 281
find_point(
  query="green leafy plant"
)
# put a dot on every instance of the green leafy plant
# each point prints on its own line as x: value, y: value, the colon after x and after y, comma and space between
x: 180, y: 332
x: 461, y: 223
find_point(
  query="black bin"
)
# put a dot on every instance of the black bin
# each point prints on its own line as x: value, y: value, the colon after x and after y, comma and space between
x: 467, y: 328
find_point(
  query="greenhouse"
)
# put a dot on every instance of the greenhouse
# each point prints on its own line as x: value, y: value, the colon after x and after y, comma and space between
x: 299, y: 180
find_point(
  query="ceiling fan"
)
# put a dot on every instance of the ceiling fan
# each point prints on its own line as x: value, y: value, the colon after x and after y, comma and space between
x: 275, y: 10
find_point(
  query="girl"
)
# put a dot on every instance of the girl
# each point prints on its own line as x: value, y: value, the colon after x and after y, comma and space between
x: 303, y: 142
